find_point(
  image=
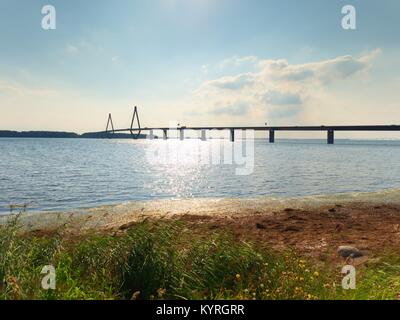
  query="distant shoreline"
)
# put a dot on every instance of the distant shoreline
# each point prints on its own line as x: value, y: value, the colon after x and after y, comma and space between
x: 63, y: 134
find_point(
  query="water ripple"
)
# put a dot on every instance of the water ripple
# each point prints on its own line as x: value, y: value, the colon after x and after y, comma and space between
x: 61, y: 174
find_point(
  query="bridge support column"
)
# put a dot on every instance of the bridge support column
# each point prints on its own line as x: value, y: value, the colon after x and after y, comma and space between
x: 232, y: 135
x: 271, y: 136
x: 203, y: 135
x: 181, y: 134
x: 331, y: 137
x: 165, y: 134
x: 151, y: 134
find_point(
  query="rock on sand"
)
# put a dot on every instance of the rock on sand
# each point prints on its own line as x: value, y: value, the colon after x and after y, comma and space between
x: 348, y: 251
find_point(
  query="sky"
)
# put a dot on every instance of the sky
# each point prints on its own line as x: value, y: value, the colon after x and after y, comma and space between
x: 198, y: 62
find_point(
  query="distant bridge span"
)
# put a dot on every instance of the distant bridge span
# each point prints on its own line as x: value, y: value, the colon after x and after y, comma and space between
x: 271, y: 129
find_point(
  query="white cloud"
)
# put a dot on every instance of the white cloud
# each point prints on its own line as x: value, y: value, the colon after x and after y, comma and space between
x: 84, y: 46
x: 236, y: 61
x: 13, y: 88
x: 323, y: 71
x: 204, y: 69
x: 72, y: 49
x: 232, y: 82
x: 236, y: 108
x: 277, y: 87
x: 282, y: 98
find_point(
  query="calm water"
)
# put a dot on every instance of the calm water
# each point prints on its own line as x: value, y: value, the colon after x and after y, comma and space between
x: 60, y: 174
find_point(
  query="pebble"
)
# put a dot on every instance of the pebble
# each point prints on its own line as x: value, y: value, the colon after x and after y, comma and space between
x: 348, y: 251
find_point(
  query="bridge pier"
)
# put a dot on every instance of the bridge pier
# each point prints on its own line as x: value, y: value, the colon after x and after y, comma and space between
x: 151, y: 135
x: 330, y: 129
x: 181, y: 134
x: 271, y: 136
x: 232, y: 135
x: 331, y: 137
x: 244, y: 137
x: 203, y: 135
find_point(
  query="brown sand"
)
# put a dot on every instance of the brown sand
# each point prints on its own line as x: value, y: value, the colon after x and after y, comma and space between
x: 315, y: 226
x: 316, y: 232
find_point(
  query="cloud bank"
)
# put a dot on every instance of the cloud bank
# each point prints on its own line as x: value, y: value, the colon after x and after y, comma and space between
x: 276, y: 88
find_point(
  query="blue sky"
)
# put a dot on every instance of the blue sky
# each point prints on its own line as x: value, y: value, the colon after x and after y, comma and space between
x: 186, y: 60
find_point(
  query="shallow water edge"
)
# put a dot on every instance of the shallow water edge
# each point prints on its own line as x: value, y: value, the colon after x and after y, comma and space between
x: 110, y: 216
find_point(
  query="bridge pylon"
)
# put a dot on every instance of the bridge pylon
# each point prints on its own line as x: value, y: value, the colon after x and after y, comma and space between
x: 110, y: 122
x: 135, y: 116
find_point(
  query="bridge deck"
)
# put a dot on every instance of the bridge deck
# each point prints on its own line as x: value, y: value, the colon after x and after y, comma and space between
x: 276, y: 128
x: 329, y: 129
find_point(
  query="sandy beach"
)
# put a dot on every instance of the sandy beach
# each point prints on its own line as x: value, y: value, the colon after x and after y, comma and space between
x: 314, y: 226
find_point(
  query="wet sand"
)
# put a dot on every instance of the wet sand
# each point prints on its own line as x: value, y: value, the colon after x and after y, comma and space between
x: 315, y: 226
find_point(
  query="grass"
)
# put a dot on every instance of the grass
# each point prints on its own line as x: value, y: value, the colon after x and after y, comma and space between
x: 155, y: 261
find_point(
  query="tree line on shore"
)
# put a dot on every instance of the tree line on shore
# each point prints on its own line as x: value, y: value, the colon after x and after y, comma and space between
x: 62, y: 134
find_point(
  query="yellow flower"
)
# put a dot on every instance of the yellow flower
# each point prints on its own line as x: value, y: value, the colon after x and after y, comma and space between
x: 316, y: 274
x: 238, y: 276
x: 161, y: 292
